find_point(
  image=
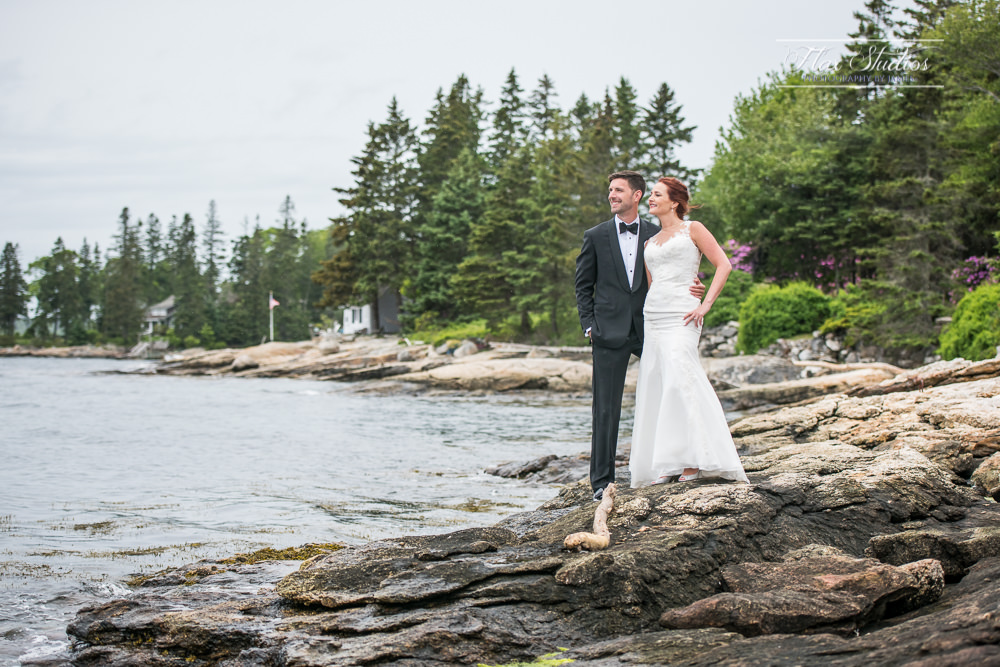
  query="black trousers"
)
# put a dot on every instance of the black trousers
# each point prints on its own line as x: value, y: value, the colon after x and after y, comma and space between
x: 610, y: 368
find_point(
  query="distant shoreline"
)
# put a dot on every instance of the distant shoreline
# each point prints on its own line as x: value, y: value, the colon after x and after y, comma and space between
x: 67, y: 352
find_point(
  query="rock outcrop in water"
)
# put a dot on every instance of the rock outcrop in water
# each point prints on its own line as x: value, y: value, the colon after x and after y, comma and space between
x: 387, y: 364
x: 860, y: 540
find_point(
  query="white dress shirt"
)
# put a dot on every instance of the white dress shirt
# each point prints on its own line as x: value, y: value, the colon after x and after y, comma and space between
x: 629, y: 244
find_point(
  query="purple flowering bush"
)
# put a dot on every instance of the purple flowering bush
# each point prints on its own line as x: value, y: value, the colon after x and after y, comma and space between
x: 975, y: 271
x: 740, y: 255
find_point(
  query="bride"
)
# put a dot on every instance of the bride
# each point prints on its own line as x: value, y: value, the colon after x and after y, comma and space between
x: 680, y: 427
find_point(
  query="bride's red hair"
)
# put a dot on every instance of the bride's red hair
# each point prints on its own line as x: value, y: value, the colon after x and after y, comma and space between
x: 678, y: 192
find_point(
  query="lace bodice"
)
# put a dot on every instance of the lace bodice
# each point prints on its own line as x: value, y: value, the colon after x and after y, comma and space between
x: 673, y: 266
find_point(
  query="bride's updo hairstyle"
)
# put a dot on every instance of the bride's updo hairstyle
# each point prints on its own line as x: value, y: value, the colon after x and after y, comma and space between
x: 678, y: 192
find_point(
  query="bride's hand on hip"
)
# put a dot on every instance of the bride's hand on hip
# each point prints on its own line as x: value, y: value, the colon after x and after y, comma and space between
x: 697, y: 316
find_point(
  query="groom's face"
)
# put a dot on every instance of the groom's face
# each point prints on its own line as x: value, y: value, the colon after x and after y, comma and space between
x: 623, y: 199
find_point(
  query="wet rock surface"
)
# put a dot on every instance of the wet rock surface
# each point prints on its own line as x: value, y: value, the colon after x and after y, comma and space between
x: 860, y: 540
x: 811, y: 590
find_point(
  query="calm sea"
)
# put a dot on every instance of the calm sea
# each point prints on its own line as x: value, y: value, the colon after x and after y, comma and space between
x: 105, y: 474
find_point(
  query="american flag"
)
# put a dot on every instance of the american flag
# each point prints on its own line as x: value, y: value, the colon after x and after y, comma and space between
x: 274, y: 302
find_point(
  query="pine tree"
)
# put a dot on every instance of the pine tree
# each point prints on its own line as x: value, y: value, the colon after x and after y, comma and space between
x: 212, y: 262
x: 247, y: 317
x: 923, y: 15
x: 60, y: 304
x: 582, y: 114
x: 508, y: 123
x: 336, y: 273
x: 13, y: 289
x: 379, y: 230
x: 452, y: 126
x: 663, y: 132
x: 542, y: 109
x: 286, y: 274
x: 484, y: 281
x: 156, y: 263
x: 89, y: 285
x: 187, y: 283
x: 443, y: 241
x: 122, y: 311
x: 873, y: 35
x: 542, y: 269
x: 627, y: 132
x: 595, y: 161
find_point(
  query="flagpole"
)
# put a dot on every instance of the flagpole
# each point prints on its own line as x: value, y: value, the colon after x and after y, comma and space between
x: 270, y: 311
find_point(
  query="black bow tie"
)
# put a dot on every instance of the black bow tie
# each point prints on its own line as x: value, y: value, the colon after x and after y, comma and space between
x: 632, y: 229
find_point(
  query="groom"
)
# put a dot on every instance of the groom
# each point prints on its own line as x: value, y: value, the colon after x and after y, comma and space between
x: 611, y: 288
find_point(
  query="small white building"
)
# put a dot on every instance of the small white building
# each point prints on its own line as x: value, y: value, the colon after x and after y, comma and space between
x: 358, y: 319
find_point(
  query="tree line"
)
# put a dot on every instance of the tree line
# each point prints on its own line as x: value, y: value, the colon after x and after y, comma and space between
x: 479, y: 215
x: 882, y: 194
x: 886, y: 195
x: 219, y: 297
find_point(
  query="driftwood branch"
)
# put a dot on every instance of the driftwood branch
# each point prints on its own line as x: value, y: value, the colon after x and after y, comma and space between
x: 601, y: 537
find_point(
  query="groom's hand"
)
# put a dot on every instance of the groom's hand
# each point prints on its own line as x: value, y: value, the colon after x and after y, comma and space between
x: 697, y: 289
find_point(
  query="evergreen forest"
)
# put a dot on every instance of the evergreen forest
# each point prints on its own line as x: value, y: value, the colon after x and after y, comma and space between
x: 869, y: 199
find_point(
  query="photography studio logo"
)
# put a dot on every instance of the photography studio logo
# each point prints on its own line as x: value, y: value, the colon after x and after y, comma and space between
x: 839, y: 63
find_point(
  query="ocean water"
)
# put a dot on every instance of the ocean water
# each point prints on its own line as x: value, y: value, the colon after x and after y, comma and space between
x: 106, y: 472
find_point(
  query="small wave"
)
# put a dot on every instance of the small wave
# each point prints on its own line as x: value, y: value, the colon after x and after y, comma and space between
x: 45, y: 647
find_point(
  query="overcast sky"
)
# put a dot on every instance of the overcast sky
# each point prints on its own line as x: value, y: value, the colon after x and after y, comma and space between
x: 163, y: 106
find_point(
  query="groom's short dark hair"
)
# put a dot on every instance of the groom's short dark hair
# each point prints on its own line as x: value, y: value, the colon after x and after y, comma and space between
x: 634, y: 178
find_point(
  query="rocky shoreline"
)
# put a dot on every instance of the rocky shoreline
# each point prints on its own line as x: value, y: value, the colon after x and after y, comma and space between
x: 392, y: 364
x: 68, y: 352
x: 869, y: 534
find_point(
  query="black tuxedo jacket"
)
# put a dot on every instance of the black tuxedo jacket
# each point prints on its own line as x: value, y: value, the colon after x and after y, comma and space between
x: 609, y: 306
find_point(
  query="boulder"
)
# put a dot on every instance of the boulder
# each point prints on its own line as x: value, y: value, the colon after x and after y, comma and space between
x: 814, y: 589
x: 328, y: 346
x: 971, y: 535
x: 959, y: 629
x: 465, y: 349
x: 987, y: 476
x: 794, y: 391
x: 473, y: 374
x: 752, y: 369
x: 244, y: 362
x: 548, y: 469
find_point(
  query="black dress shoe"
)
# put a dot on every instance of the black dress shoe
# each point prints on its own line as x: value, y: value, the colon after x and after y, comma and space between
x: 598, y: 495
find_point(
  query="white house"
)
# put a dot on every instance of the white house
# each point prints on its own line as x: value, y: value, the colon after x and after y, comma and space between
x: 160, y: 314
x: 358, y: 319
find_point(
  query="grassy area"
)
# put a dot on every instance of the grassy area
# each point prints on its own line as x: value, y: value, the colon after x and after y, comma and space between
x: 459, y: 331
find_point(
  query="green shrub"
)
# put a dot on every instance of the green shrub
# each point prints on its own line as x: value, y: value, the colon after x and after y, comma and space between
x: 886, y: 315
x: 853, y: 315
x: 974, y: 332
x: 772, y: 312
x: 474, y: 329
x: 207, y: 335
x: 191, y: 341
x: 726, y: 308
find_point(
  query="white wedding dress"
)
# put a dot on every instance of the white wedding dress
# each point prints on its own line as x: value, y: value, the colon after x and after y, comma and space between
x: 679, y: 422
